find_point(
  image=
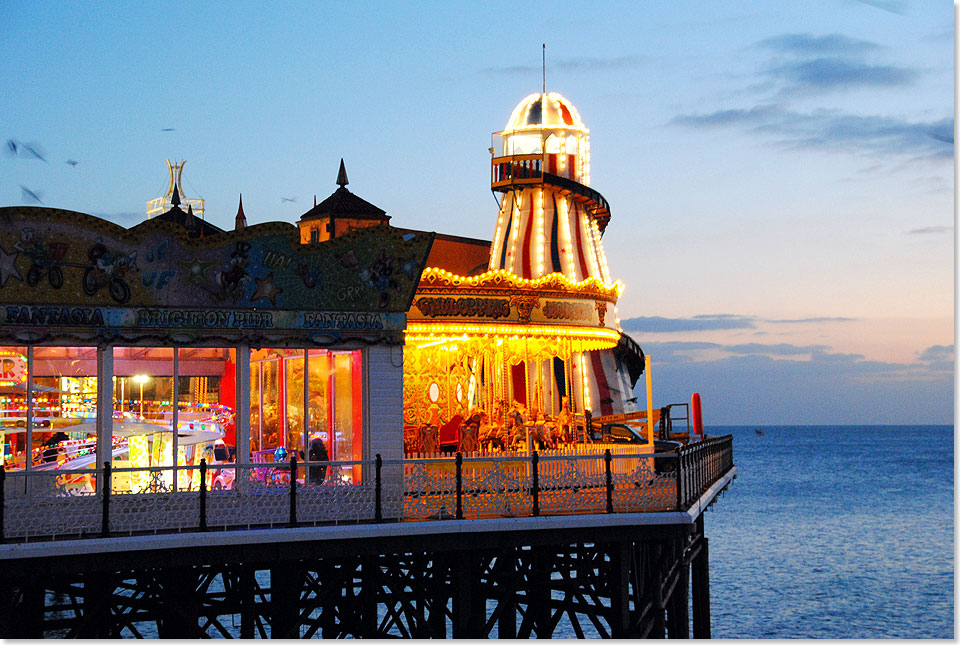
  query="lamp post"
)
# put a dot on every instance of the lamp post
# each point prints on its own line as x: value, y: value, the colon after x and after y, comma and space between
x: 141, y: 379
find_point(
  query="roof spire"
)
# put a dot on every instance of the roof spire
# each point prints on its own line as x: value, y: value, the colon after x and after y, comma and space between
x: 241, y: 221
x: 175, y: 198
x: 342, y: 175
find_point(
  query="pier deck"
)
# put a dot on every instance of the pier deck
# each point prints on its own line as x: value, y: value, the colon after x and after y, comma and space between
x: 612, y: 571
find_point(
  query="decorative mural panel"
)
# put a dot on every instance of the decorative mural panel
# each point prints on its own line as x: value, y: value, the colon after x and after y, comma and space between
x: 65, y: 269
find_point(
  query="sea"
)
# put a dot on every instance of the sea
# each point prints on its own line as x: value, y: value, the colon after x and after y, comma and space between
x: 835, y: 532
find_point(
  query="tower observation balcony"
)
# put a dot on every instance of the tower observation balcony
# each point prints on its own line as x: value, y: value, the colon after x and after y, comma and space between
x: 526, y: 170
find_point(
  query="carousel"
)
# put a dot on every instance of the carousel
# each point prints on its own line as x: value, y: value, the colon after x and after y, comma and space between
x: 520, y: 356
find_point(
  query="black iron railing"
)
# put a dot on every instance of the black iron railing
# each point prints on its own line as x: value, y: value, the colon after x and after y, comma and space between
x: 39, y: 505
x: 700, y: 465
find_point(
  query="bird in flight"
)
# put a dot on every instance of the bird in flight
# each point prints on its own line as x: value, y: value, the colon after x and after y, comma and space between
x: 167, y: 129
x: 31, y: 150
x: 287, y: 199
x: 29, y: 195
x: 12, y: 146
x: 72, y: 162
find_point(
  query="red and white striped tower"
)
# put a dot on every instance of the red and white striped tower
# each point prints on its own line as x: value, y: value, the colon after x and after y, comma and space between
x: 551, y: 221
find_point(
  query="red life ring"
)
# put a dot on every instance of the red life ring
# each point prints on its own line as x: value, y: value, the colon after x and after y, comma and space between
x: 695, y: 415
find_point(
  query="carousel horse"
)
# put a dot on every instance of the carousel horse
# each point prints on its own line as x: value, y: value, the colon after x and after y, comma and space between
x: 469, y: 435
x: 428, y: 439
x: 564, y: 422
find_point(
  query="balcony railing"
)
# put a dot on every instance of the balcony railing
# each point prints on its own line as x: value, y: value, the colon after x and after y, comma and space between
x: 43, y: 505
x: 520, y: 170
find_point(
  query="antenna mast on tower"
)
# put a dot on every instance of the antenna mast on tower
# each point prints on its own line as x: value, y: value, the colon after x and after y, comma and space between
x: 544, y: 65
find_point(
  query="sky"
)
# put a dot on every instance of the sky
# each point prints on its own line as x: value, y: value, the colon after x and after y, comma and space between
x: 780, y: 174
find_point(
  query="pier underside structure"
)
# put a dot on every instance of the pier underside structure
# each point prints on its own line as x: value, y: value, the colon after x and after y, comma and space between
x: 478, y: 582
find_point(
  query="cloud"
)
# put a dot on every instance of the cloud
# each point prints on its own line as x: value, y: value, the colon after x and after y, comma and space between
x: 831, y: 130
x: 801, y: 384
x: 711, y: 322
x: 780, y: 349
x: 812, y: 320
x: 939, y: 357
x: 834, y: 73
x: 930, y: 230
x: 806, y: 44
x: 591, y: 65
x: 893, y: 6
x: 697, y: 323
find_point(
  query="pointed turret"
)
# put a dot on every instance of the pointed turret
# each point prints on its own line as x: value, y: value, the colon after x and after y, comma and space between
x: 175, y: 198
x: 339, y: 213
x: 241, y: 221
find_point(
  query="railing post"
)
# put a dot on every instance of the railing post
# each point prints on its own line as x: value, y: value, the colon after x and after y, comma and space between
x: 378, y: 491
x: 3, y: 499
x: 535, y: 487
x: 679, y: 470
x: 293, y: 491
x: 459, y: 486
x: 607, y: 458
x: 105, y: 499
x: 203, y: 494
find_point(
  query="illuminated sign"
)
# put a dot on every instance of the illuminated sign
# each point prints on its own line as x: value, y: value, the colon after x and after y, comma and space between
x: 13, y: 368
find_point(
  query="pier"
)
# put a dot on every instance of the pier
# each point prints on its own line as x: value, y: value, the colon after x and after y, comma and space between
x: 508, y: 546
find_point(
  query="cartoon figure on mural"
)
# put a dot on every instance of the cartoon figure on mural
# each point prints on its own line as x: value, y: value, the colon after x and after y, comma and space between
x: 232, y: 279
x: 44, y: 258
x: 310, y: 275
x: 108, y: 270
x: 380, y: 275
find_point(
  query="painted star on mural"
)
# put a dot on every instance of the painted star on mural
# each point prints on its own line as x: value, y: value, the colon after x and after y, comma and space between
x: 266, y: 289
x: 196, y: 269
x: 8, y: 267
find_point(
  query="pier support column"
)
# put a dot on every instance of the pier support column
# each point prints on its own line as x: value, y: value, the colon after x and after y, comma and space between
x: 678, y: 605
x: 656, y: 585
x: 286, y: 583
x: 178, y: 607
x: 701, y: 590
x: 370, y: 589
x: 439, y: 590
x: 507, y: 581
x: 619, y: 583
x: 538, y: 592
x: 469, y: 606
x: 26, y: 617
x: 97, y: 594
x: 248, y: 602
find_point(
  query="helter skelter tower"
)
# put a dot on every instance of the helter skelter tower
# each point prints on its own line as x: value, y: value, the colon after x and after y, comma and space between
x: 551, y: 221
x: 540, y: 325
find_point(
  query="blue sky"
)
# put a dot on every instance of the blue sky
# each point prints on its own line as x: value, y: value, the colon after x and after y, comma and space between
x: 780, y: 174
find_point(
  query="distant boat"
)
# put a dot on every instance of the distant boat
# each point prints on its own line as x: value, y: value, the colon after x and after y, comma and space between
x: 758, y: 431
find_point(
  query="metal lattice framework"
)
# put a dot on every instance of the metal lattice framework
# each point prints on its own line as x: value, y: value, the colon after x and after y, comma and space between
x: 545, y: 584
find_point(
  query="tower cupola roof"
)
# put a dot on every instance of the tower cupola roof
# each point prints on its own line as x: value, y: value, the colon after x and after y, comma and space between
x: 550, y: 110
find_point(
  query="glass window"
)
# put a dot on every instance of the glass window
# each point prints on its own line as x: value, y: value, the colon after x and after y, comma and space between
x: 142, y: 415
x: 13, y: 407
x: 333, y: 410
x: 65, y: 406
x: 206, y: 412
